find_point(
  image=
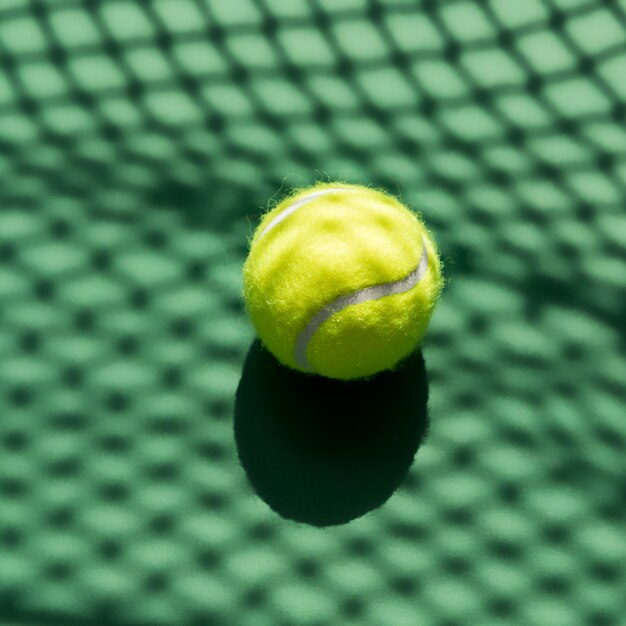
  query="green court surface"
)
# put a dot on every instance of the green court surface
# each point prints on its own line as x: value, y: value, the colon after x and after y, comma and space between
x: 157, y: 468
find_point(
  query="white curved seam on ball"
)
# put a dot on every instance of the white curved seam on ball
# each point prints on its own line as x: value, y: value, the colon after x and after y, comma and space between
x: 366, y: 294
x: 295, y: 206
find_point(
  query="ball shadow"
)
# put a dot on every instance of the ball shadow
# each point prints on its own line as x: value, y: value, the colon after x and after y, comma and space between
x: 324, y: 452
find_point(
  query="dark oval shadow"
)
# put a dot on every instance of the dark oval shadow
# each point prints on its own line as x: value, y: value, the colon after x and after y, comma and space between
x: 322, y: 451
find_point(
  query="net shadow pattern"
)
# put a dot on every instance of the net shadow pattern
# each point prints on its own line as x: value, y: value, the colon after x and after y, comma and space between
x: 139, y: 142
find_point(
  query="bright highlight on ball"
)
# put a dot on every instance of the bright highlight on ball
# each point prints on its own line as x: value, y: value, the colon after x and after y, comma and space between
x: 341, y: 280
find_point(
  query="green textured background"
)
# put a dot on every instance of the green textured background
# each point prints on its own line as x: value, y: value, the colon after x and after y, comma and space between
x: 139, y: 142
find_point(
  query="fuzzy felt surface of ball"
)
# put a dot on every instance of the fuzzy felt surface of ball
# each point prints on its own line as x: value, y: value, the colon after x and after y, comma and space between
x: 341, y: 280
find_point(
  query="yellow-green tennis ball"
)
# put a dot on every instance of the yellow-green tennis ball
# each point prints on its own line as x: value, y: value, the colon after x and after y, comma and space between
x: 341, y: 280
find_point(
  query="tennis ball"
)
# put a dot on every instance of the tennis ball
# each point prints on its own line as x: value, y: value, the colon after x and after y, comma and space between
x: 341, y: 280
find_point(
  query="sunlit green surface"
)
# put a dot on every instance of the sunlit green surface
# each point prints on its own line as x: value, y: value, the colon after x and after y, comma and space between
x: 139, y: 143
